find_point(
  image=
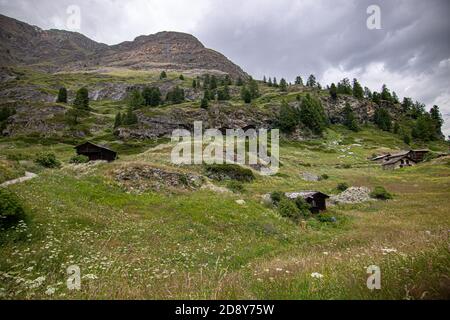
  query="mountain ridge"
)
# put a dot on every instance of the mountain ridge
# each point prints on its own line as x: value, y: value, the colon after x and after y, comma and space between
x: 57, y: 50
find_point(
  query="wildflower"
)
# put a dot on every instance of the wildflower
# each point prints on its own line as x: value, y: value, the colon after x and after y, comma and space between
x: 90, y: 277
x: 50, y: 291
x: 317, y: 275
x: 387, y: 250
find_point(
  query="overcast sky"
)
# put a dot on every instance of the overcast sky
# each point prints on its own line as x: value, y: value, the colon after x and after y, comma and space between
x: 285, y: 38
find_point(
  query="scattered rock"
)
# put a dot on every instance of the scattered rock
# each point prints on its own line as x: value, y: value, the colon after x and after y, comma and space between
x: 352, y: 195
x: 141, y: 178
x: 307, y: 176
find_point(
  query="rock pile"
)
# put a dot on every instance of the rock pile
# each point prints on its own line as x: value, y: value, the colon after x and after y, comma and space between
x: 142, y: 178
x: 352, y: 195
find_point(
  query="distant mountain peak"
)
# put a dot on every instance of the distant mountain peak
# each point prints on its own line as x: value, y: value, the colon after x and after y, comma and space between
x: 23, y: 44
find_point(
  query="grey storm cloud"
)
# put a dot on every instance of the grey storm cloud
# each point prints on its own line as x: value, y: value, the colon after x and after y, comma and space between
x: 286, y: 38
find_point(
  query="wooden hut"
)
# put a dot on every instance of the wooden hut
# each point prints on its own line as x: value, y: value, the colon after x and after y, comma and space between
x: 418, y: 155
x: 317, y: 200
x: 399, y: 163
x: 96, y: 152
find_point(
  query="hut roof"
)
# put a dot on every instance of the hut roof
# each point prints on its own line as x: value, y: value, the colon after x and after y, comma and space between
x: 397, y: 159
x: 305, y: 194
x: 95, y: 145
x: 381, y: 157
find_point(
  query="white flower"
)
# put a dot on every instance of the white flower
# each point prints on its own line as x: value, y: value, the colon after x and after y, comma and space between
x: 387, y: 250
x: 317, y: 275
x: 326, y: 253
x: 50, y: 291
x: 30, y: 269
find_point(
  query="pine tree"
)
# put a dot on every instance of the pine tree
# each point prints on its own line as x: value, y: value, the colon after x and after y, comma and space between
x: 438, y: 121
x: 253, y: 88
x: 62, y: 95
x: 350, y: 119
x: 299, y: 81
x: 246, y: 95
x: 288, y: 118
x: 407, y: 105
x: 81, y: 101
x: 382, y: 119
x: 213, y: 83
x: 135, y: 99
x: 175, y: 96
x: 194, y: 84
x: 358, y: 91
x: 152, y: 96
x: 223, y: 94
x: 283, y: 85
x: 264, y: 80
x: 344, y: 87
x: 239, y: 82
x: 163, y: 75
x: 312, y: 114
x: 129, y: 118
x: 181, y: 77
x: 386, y: 94
x: 275, y: 83
x: 204, y: 103
x: 395, y: 98
x: 118, y: 120
x: 333, y: 91
x: 367, y: 93
x: 311, y: 81
x: 270, y: 82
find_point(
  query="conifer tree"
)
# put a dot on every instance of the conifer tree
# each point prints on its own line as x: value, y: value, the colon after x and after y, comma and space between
x: 62, y: 95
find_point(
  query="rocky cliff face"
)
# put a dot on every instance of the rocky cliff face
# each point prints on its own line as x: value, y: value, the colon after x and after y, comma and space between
x: 22, y: 44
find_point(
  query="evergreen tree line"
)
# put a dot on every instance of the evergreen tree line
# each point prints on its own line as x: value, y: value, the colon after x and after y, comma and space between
x: 309, y: 113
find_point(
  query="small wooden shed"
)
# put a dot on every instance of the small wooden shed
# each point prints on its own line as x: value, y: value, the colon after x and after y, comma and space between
x: 418, y: 155
x: 399, y: 163
x: 317, y: 200
x: 96, y: 152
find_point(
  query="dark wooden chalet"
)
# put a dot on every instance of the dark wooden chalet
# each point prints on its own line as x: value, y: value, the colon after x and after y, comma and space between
x: 96, y: 152
x: 418, y: 155
x: 317, y: 200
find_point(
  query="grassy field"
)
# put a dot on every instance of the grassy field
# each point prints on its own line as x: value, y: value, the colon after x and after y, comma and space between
x: 203, y: 245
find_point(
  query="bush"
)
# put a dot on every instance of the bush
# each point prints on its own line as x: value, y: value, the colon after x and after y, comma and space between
x: 236, y: 186
x: 47, y: 160
x: 276, y: 197
x: 288, y: 209
x: 381, y: 193
x: 229, y: 172
x: 303, y: 207
x: 324, y: 177
x: 342, y: 186
x: 79, y: 159
x: 11, y: 209
x: 326, y: 218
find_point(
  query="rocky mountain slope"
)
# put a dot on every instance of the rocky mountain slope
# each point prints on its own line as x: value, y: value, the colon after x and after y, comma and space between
x: 54, y: 50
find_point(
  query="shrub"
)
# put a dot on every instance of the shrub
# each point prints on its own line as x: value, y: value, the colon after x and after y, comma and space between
x: 324, y: 177
x: 229, y: 172
x: 79, y: 159
x: 11, y: 209
x: 288, y: 209
x: 47, y: 160
x: 236, y: 186
x: 326, y: 218
x: 303, y: 207
x: 342, y: 186
x: 381, y: 193
x: 276, y: 197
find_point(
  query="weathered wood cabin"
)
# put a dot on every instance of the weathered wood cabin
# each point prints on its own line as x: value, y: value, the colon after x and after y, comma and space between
x: 418, y: 155
x: 317, y: 200
x: 96, y: 152
x: 399, y: 163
